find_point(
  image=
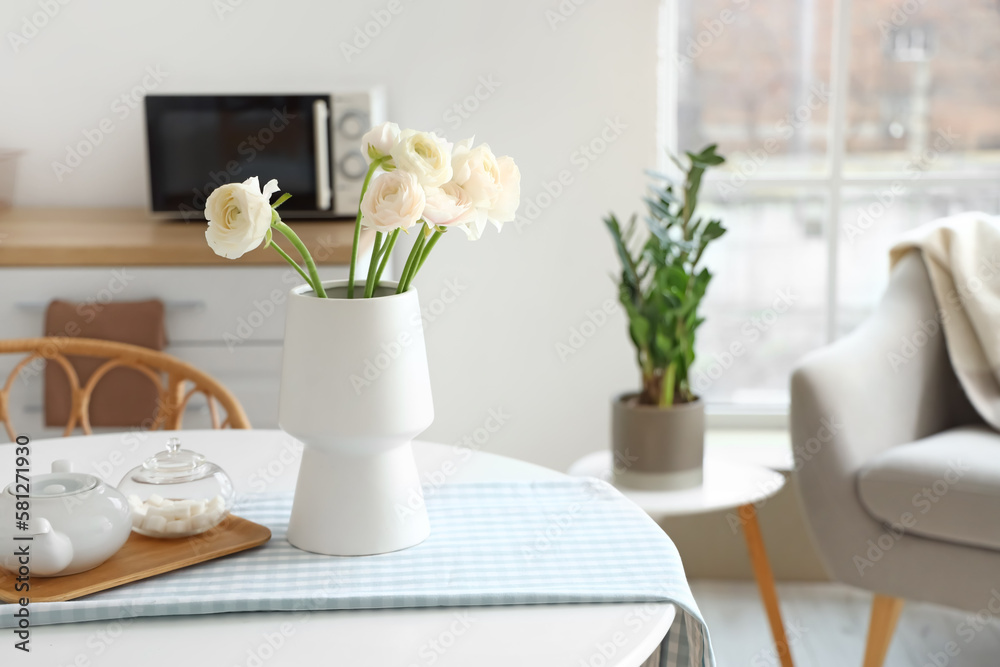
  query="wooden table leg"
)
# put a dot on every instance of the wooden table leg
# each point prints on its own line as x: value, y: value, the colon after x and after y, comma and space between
x: 765, y: 581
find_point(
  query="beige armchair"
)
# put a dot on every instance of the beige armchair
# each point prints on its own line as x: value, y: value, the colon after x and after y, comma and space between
x: 900, y: 479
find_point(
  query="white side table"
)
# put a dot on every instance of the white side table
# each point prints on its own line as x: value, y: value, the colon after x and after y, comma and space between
x: 727, y: 485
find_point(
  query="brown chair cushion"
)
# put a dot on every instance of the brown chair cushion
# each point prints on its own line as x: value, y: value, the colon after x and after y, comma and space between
x: 123, y: 397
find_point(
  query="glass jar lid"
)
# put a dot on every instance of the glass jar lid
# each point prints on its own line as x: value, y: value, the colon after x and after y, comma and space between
x: 174, y: 465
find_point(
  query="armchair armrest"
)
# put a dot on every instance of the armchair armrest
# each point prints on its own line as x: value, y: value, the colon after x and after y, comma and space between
x: 888, y: 383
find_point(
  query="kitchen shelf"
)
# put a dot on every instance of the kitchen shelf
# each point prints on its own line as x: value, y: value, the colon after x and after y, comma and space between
x: 132, y: 237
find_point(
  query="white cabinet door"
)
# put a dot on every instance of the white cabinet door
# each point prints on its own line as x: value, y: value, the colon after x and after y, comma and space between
x: 251, y: 373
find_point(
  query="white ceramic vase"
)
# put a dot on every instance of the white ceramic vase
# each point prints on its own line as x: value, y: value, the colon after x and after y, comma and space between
x: 355, y: 390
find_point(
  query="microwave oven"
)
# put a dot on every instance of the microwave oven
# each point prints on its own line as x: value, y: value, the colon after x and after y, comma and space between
x: 310, y: 143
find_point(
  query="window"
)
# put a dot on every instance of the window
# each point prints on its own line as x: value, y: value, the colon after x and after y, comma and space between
x: 844, y: 124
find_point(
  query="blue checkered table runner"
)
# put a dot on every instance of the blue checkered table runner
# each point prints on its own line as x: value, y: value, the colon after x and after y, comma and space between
x: 493, y: 543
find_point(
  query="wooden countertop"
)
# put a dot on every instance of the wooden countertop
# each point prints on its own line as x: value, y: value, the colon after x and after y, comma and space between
x: 131, y: 237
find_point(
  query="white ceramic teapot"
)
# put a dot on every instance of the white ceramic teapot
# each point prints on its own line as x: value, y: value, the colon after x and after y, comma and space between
x: 76, y: 523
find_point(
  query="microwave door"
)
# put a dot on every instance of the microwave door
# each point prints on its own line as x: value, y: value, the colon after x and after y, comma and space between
x: 321, y: 125
x: 198, y: 142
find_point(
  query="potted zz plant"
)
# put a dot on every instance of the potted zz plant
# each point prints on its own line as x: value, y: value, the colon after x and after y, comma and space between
x: 355, y: 387
x: 658, y: 433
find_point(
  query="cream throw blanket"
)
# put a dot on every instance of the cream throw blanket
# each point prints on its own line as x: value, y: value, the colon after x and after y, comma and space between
x: 962, y: 256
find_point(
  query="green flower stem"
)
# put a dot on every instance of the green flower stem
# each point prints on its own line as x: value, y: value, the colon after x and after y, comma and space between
x: 316, y: 283
x: 438, y: 232
x: 357, y: 225
x: 385, y: 255
x: 417, y: 258
x: 373, y: 266
x: 295, y: 265
x: 406, y: 269
x: 418, y: 246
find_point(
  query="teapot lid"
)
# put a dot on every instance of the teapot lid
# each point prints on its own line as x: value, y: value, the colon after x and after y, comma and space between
x: 58, y: 484
x: 173, y: 465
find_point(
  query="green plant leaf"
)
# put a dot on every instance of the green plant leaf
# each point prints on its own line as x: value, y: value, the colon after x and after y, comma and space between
x: 640, y: 329
x: 712, y: 231
x: 701, y: 283
x: 664, y: 345
x: 657, y: 207
x: 707, y: 157
x: 628, y: 263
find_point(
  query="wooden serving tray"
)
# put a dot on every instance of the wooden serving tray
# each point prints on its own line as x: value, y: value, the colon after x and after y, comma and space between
x: 140, y: 558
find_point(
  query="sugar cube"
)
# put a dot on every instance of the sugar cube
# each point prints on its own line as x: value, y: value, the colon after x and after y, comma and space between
x: 217, y: 503
x: 154, y: 524
x: 178, y: 527
x: 201, y: 522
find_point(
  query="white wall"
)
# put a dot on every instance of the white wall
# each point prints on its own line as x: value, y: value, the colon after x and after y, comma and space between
x: 494, y: 347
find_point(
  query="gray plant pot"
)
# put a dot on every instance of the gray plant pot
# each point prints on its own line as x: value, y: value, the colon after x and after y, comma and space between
x: 657, y: 449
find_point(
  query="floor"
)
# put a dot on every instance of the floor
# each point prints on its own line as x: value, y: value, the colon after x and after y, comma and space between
x: 827, y: 625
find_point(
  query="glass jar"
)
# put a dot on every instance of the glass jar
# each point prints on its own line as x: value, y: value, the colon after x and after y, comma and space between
x: 177, y: 493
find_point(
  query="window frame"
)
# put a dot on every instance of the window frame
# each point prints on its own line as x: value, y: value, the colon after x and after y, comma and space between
x: 832, y: 179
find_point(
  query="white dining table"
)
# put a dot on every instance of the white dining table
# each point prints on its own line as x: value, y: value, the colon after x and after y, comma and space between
x: 574, y: 635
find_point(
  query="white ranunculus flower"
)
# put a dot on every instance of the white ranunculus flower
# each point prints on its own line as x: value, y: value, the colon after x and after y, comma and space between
x: 474, y: 227
x: 378, y: 141
x: 239, y: 216
x: 477, y: 171
x: 448, y: 206
x: 425, y: 155
x: 394, y: 199
x: 505, y: 207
